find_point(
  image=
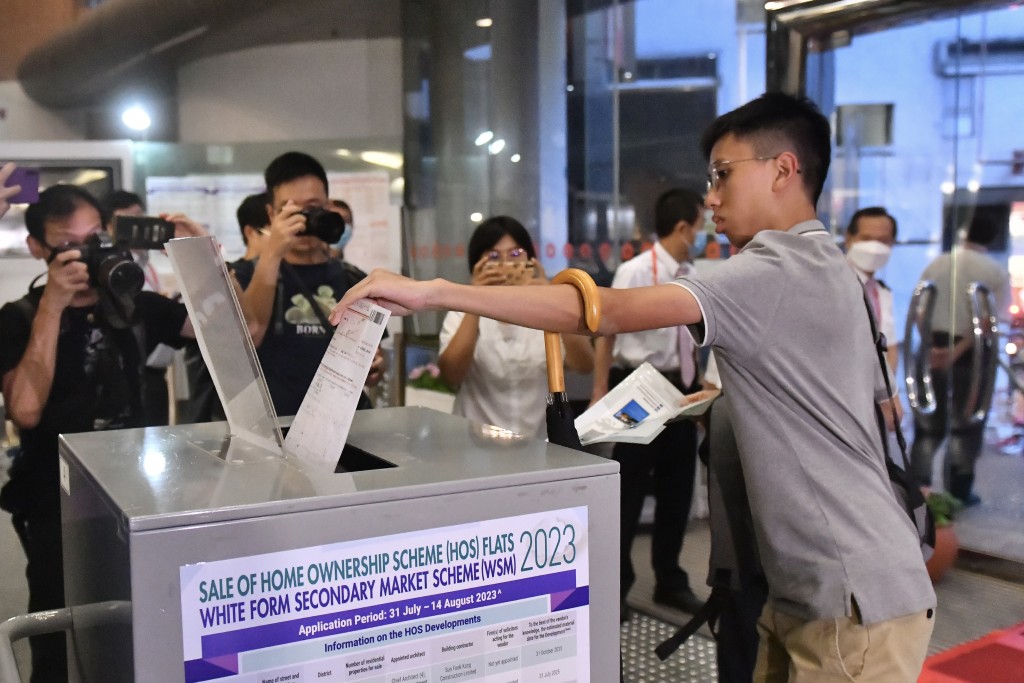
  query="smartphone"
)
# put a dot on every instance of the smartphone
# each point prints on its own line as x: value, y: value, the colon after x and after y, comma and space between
x: 28, y: 179
x: 142, y: 232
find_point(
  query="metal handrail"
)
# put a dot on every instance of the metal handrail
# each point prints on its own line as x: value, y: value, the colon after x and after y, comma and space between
x: 54, y: 621
x: 917, y: 369
x: 985, y: 328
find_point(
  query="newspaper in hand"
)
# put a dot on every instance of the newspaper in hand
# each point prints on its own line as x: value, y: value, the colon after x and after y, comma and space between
x: 636, y: 410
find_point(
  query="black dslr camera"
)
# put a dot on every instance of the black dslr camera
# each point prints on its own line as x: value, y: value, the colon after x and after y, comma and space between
x: 327, y: 225
x: 109, y: 259
x: 110, y: 265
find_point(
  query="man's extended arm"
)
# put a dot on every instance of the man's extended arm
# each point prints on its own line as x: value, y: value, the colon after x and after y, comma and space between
x: 258, y: 300
x: 27, y: 387
x: 555, y: 308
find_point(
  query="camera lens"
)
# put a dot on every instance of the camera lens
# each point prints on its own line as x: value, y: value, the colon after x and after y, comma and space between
x: 120, y: 275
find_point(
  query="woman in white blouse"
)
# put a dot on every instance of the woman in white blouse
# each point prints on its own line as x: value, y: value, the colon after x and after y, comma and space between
x: 500, y: 369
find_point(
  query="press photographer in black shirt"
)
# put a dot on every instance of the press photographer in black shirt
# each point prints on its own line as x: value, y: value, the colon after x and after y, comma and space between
x: 72, y: 354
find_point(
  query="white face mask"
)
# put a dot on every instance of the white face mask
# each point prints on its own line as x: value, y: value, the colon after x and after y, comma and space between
x: 869, y: 256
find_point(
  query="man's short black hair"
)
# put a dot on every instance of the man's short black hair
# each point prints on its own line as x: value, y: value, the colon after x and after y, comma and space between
x: 253, y: 212
x: 490, y: 232
x: 288, y: 167
x: 55, y: 203
x: 870, y: 212
x: 774, y: 123
x: 673, y: 206
x: 121, y: 199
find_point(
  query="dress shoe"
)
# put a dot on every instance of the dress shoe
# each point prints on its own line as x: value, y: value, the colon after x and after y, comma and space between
x: 681, y: 599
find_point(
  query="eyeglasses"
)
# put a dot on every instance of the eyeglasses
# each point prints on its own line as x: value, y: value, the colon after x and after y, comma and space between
x: 514, y: 254
x: 717, y: 174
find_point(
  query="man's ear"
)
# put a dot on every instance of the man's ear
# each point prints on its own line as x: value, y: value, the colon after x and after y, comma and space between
x: 36, y: 248
x: 788, y: 169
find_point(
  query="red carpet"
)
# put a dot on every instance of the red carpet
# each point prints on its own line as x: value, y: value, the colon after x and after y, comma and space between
x: 995, y: 658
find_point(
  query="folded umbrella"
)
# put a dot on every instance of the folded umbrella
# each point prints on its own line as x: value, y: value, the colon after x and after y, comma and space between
x: 561, y: 429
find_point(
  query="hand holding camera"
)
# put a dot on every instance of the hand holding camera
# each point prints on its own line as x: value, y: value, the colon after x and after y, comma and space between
x: 285, y: 225
x: 490, y: 272
x: 67, y: 275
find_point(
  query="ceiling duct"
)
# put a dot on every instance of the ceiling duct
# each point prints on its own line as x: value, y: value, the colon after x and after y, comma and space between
x: 126, y: 45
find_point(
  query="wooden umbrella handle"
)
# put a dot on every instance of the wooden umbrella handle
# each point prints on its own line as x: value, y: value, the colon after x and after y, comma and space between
x: 584, y: 284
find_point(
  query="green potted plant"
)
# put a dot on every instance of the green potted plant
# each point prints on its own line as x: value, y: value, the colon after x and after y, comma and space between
x: 944, y: 508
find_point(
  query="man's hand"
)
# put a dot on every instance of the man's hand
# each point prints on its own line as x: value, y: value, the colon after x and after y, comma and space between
x: 398, y: 294
x: 7, y: 192
x: 702, y: 395
x: 66, y: 277
x: 185, y: 226
x: 284, y: 226
x: 888, y: 407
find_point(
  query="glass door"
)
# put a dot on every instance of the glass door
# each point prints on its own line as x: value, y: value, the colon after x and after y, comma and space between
x: 926, y: 120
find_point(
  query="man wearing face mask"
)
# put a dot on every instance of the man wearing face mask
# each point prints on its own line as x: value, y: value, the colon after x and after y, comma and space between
x: 869, y: 240
x: 670, y: 460
x: 341, y: 207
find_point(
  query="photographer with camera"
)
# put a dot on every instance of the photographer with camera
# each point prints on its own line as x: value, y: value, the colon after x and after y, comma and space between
x: 293, y: 285
x: 72, y: 353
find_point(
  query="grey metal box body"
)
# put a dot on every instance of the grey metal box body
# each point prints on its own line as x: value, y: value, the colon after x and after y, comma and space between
x: 138, y: 505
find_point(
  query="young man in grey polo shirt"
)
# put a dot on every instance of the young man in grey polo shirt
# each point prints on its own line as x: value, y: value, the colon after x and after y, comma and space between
x: 789, y: 326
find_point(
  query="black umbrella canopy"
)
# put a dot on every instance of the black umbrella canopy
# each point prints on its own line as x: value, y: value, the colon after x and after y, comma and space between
x: 560, y: 420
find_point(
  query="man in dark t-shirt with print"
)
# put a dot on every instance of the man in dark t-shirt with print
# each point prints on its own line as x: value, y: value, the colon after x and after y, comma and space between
x: 293, y: 278
x: 71, y: 360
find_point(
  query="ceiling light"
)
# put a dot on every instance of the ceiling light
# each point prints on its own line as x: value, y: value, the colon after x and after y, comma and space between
x: 483, y: 138
x: 385, y: 159
x: 485, y: 22
x: 136, y: 118
x: 496, y: 146
x: 515, y: 158
x: 476, y: 216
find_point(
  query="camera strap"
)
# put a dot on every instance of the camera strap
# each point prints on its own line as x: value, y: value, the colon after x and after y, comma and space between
x: 289, y: 272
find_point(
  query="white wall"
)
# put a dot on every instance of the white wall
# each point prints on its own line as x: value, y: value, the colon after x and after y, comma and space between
x: 23, y: 119
x: 340, y: 89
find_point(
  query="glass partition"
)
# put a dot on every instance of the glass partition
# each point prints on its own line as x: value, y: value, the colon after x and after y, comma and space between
x: 920, y: 98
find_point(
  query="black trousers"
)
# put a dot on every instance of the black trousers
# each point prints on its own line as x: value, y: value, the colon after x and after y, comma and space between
x: 965, y: 440
x: 665, y: 467
x: 40, y: 536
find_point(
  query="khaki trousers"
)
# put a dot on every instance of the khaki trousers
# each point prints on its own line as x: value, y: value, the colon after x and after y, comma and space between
x: 796, y: 651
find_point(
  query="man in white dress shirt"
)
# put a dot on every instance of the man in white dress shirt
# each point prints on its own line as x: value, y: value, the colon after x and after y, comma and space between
x: 669, y: 462
x: 869, y: 239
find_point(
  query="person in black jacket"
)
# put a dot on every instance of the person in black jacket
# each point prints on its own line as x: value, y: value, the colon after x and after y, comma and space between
x: 72, y: 356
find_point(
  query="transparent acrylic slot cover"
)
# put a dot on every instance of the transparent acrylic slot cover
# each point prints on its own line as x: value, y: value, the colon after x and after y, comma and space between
x: 206, y: 287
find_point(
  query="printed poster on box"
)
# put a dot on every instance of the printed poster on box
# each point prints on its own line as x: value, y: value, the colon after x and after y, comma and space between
x: 499, y: 600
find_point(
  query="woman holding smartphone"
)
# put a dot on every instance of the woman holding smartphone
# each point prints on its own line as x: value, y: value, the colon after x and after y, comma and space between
x: 500, y: 369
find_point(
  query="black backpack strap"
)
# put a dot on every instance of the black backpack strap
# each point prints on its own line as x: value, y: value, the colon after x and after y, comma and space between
x: 708, y: 613
x: 880, y: 348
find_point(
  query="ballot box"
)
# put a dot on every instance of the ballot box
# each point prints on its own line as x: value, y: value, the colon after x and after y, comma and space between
x: 422, y: 547
x: 449, y: 551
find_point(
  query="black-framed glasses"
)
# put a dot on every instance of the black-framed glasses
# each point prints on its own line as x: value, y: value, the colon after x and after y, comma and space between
x: 717, y: 174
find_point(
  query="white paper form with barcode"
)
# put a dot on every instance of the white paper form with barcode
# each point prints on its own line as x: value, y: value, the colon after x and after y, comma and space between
x: 321, y: 426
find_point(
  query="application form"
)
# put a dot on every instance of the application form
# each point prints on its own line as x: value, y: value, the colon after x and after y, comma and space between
x: 321, y: 426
